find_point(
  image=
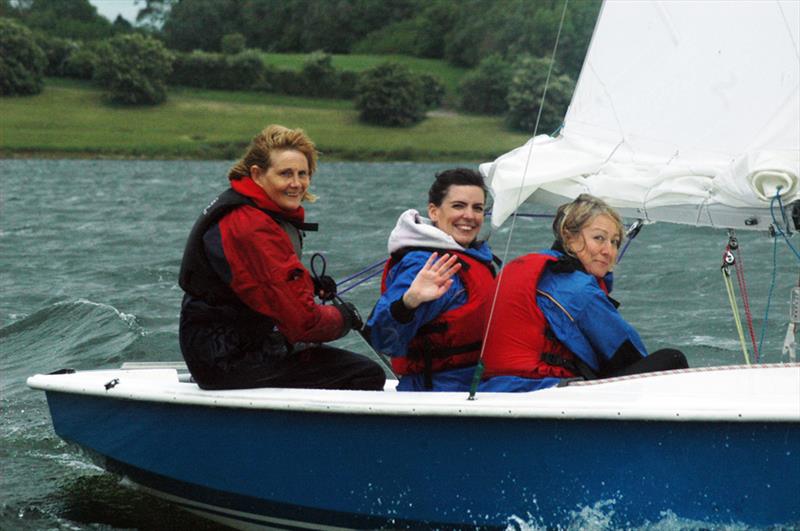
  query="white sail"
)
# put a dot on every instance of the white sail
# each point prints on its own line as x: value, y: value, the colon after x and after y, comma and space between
x: 685, y: 111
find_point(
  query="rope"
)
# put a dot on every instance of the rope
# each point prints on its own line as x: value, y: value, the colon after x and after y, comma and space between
x: 479, y: 368
x: 380, y: 262
x: 769, y: 293
x: 631, y: 233
x: 333, y: 295
x: 777, y: 225
x: 739, y: 267
x: 732, y: 299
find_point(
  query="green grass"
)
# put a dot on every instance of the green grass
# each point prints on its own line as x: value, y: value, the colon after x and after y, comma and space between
x: 449, y: 75
x: 71, y: 119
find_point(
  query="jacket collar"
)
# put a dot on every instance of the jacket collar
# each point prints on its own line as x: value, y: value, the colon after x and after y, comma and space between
x: 248, y: 187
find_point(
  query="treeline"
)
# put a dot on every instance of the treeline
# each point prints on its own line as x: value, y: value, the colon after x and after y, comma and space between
x: 462, y: 32
x: 219, y: 44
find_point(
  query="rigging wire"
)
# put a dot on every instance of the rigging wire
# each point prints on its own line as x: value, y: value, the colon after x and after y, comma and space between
x: 479, y: 367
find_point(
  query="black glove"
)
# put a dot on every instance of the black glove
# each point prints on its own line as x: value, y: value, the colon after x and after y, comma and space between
x: 352, y: 319
x: 324, y: 287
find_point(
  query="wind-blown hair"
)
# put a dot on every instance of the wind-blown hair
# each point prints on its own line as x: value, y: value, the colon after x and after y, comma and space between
x: 458, y: 176
x: 572, y: 217
x: 275, y: 138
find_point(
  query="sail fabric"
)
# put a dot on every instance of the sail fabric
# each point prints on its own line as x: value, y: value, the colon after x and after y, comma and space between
x: 683, y: 110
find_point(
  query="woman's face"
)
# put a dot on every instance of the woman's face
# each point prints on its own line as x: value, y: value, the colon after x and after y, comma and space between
x: 461, y: 213
x: 286, y: 180
x: 596, y: 245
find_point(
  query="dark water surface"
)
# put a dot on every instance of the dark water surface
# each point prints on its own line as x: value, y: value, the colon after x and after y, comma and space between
x: 90, y: 252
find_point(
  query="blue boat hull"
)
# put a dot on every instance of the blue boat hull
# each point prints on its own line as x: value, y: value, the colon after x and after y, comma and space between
x: 371, y: 471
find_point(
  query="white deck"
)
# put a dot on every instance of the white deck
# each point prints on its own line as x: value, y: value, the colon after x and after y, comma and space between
x: 732, y: 393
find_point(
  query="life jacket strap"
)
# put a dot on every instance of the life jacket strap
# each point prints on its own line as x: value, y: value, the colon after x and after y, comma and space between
x: 447, y: 352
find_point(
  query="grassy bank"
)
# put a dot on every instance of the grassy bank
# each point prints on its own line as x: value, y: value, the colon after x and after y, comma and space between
x: 70, y: 119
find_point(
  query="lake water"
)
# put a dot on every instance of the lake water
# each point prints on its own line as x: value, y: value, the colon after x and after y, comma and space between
x: 90, y: 255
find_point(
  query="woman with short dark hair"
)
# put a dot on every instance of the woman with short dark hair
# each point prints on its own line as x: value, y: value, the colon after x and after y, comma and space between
x: 436, y: 288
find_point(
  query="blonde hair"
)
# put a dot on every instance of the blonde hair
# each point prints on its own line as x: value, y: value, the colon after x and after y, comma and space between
x: 572, y: 217
x: 276, y: 138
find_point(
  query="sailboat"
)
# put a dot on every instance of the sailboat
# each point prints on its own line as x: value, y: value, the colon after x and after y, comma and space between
x: 686, y: 112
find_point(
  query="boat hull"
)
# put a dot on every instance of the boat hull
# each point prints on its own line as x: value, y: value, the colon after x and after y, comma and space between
x: 304, y: 469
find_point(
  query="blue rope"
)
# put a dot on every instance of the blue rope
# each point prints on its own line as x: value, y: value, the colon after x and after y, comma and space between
x: 522, y: 215
x: 780, y: 231
x: 783, y: 216
x: 373, y: 274
x: 769, y: 293
x: 363, y: 271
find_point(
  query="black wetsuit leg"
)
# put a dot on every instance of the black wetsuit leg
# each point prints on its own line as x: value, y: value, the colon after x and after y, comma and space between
x: 661, y: 360
x: 320, y: 367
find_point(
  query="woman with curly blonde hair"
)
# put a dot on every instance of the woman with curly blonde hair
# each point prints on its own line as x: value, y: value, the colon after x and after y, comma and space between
x: 249, y: 318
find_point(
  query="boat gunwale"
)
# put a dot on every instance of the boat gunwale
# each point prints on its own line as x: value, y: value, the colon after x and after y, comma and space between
x: 612, y: 399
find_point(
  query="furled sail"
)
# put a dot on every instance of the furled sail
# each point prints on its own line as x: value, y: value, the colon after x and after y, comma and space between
x: 685, y: 111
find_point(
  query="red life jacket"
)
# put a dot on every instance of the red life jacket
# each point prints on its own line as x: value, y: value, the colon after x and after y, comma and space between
x: 454, y: 338
x: 520, y: 342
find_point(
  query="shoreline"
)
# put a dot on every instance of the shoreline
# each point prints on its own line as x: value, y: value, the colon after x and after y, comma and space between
x: 330, y: 155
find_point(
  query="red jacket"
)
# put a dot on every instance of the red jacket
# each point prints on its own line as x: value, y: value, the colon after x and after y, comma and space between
x: 266, y: 273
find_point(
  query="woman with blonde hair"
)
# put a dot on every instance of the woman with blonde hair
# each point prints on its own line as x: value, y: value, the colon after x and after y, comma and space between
x: 554, y: 317
x: 248, y: 317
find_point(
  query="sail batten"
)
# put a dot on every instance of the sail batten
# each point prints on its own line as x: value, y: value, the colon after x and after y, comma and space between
x: 681, y: 107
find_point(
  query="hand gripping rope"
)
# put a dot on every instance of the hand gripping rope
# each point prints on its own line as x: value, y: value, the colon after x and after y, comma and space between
x: 328, y: 290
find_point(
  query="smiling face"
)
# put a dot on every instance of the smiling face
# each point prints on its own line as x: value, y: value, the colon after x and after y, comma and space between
x: 461, y: 213
x: 286, y: 180
x: 596, y: 245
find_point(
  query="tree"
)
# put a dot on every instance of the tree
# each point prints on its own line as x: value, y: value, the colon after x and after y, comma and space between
x: 154, y: 13
x: 201, y: 24
x: 71, y: 19
x: 232, y: 43
x: 22, y: 62
x: 484, y: 89
x: 525, y: 96
x: 389, y: 94
x: 134, y: 70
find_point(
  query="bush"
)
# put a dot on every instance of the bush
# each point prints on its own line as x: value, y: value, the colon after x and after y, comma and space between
x: 198, y: 69
x: 348, y: 81
x: 135, y: 69
x: 389, y: 94
x: 57, y: 51
x: 242, y: 71
x: 484, y: 89
x: 432, y: 90
x: 319, y: 76
x: 80, y: 63
x: 22, y: 61
x: 525, y: 95
x: 282, y: 81
x: 233, y: 43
